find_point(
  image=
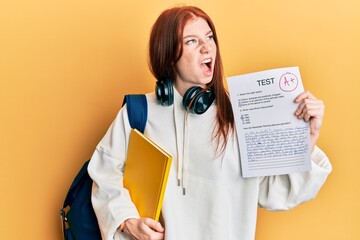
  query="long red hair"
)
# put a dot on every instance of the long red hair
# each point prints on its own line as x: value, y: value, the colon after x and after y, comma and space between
x: 165, y: 49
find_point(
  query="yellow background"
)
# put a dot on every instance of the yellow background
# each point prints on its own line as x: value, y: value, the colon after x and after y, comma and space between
x: 65, y: 66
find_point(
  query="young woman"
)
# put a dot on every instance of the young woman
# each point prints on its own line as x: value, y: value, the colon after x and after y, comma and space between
x: 190, y: 117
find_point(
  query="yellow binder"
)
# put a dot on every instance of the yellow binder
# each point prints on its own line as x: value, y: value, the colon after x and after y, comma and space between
x: 145, y: 174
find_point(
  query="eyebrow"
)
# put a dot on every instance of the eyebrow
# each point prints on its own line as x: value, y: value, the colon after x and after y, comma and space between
x: 194, y: 35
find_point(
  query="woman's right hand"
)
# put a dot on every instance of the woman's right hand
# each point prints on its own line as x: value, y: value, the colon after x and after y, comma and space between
x: 144, y: 229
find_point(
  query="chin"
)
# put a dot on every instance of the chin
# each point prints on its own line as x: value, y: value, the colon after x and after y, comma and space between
x: 208, y: 80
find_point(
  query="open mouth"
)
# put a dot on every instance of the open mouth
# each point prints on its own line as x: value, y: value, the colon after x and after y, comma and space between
x: 208, y: 63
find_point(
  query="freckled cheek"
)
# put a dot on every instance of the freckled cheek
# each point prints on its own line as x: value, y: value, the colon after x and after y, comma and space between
x: 191, y: 62
x: 188, y: 68
x: 214, y: 49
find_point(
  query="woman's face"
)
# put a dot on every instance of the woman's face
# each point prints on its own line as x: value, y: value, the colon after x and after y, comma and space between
x: 196, y: 65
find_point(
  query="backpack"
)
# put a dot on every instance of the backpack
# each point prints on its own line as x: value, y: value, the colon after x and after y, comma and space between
x: 78, y: 217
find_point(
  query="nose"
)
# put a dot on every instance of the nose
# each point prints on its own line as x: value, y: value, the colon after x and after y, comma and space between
x: 205, y: 47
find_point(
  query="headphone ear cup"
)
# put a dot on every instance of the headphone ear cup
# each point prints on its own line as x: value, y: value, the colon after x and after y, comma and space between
x: 198, y: 100
x: 203, y: 101
x: 164, y: 92
x: 188, y: 98
x: 158, y: 91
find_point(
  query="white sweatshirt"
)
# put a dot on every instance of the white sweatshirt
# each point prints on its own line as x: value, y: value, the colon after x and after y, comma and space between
x: 218, y: 203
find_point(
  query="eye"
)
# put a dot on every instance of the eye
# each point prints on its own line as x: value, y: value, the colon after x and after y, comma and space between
x: 210, y: 37
x: 190, y: 41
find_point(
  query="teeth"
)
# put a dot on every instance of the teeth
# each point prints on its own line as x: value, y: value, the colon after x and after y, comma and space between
x: 206, y: 61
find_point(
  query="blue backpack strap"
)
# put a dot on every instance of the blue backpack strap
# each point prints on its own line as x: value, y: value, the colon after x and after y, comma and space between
x: 137, y: 109
x: 79, y: 222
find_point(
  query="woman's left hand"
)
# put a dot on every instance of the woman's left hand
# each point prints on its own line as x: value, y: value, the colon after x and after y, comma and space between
x: 310, y: 109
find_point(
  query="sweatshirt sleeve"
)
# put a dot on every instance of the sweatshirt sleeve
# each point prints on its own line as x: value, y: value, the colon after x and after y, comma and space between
x: 284, y: 192
x: 111, y: 201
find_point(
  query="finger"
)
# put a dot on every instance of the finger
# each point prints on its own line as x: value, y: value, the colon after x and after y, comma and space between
x: 304, y: 95
x: 155, y: 225
x: 153, y: 229
x: 157, y: 236
x: 306, y: 105
x: 312, y: 113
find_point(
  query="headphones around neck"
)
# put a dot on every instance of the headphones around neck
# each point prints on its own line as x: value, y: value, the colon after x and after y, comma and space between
x: 196, y: 99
